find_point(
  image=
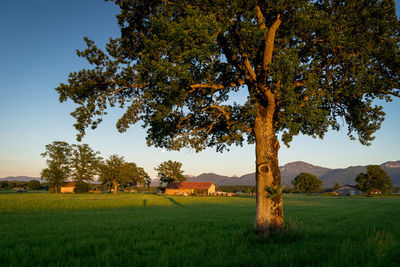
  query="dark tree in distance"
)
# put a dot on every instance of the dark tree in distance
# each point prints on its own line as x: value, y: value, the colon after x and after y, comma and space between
x: 307, y: 66
x: 34, y: 185
x: 306, y: 182
x: 376, y: 178
x: 58, y: 162
x: 170, y: 171
x: 11, y: 184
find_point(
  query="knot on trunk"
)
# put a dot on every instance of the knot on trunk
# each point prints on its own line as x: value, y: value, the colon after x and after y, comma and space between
x: 263, y: 168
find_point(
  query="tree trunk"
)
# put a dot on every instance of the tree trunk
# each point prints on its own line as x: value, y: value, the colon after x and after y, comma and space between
x: 115, y: 188
x: 269, y: 211
x: 56, y: 189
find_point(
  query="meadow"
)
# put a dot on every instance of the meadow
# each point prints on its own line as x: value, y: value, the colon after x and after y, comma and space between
x: 150, y: 230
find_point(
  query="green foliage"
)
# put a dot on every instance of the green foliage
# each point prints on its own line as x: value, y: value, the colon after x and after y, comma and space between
x: 84, y: 163
x: 286, y: 189
x: 274, y: 193
x: 306, y: 182
x: 112, y: 171
x: 58, y: 163
x: 170, y: 171
x: 177, y: 63
x: 81, y: 187
x: 34, y: 184
x: 376, y: 178
x: 115, y: 172
x: 11, y: 185
x: 3, y: 184
x: 64, y: 161
x: 136, y: 176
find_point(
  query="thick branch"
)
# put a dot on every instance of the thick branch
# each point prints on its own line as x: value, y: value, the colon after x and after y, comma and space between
x: 269, y: 42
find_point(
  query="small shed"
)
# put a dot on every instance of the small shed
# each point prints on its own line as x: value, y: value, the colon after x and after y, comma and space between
x: 348, y: 190
x: 68, y: 187
x: 189, y: 188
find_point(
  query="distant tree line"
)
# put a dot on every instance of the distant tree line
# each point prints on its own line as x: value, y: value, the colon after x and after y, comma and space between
x: 32, y: 184
x: 81, y: 164
x: 237, y: 188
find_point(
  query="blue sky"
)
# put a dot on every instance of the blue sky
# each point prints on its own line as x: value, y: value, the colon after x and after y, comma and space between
x: 37, y: 52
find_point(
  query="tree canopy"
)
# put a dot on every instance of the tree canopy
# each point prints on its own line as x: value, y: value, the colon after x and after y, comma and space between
x: 84, y: 163
x: 170, y: 171
x: 177, y: 62
x: 306, y: 66
x: 112, y: 172
x: 374, y: 179
x: 306, y: 182
x: 58, y: 162
x: 117, y: 172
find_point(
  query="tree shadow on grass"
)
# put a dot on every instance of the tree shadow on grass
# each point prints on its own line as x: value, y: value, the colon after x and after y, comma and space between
x: 144, y: 203
x: 173, y: 201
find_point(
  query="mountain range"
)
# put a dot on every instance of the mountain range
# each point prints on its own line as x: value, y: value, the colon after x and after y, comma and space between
x: 291, y: 170
x: 20, y: 179
x: 288, y: 173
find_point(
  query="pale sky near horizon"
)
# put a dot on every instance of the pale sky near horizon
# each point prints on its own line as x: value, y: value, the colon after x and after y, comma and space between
x: 37, y: 52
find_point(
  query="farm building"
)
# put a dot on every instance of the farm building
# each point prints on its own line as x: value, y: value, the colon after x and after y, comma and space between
x: 189, y: 188
x: 348, y: 190
x: 68, y: 187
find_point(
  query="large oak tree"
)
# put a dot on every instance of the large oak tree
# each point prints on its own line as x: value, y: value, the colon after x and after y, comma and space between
x: 307, y: 66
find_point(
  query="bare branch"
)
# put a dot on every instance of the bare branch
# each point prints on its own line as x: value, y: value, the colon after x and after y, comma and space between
x: 215, y: 86
x: 226, y: 115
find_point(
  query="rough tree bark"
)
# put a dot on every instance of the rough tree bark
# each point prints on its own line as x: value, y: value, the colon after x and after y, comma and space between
x: 269, y: 211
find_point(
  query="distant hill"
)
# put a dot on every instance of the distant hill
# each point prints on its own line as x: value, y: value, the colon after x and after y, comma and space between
x: 20, y: 179
x: 348, y: 175
x: 291, y: 170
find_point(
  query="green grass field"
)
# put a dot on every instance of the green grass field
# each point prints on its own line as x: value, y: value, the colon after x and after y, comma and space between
x: 144, y: 229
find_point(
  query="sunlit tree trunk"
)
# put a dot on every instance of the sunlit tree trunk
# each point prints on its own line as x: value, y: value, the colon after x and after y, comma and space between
x: 269, y: 211
x: 115, y: 187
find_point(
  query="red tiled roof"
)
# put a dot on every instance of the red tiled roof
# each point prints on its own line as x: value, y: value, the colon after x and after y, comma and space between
x: 189, y: 185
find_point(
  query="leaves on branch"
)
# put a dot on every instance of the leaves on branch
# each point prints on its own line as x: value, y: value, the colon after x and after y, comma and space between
x: 177, y: 63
